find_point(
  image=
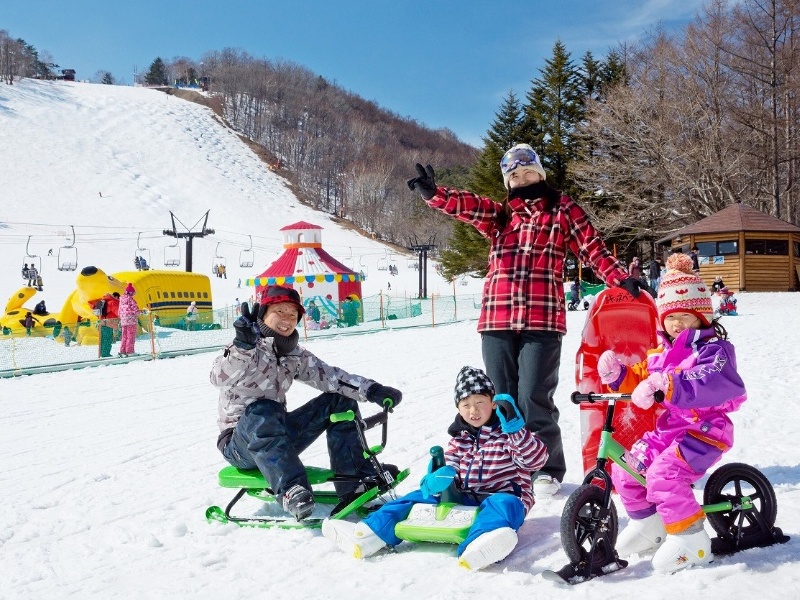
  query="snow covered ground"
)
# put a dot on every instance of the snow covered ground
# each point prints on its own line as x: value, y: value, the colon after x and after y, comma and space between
x: 107, y: 471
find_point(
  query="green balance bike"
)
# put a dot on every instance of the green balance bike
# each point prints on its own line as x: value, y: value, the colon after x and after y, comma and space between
x: 252, y: 483
x: 738, y: 500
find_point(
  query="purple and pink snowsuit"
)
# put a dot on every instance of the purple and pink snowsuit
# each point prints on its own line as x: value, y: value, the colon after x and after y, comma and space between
x: 128, y: 320
x: 690, y: 435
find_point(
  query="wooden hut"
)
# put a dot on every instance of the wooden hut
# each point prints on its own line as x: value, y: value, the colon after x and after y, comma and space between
x: 750, y: 250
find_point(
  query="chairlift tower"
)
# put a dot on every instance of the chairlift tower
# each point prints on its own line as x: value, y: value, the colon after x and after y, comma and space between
x: 189, y: 234
x: 422, y: 255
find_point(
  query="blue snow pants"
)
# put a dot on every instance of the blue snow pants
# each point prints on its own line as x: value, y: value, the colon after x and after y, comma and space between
x: 497, y: 510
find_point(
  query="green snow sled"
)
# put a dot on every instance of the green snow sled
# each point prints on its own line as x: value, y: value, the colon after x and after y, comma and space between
x: 251, y: 483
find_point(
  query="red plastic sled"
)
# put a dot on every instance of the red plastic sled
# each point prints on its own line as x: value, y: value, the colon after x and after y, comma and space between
x: 616, y: 321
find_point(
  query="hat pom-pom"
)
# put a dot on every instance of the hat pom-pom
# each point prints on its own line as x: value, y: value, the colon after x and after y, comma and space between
x: 680, y: 262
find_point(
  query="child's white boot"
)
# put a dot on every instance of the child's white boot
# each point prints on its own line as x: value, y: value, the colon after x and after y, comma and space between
x: 683, y: 551
x: 488, y: 548
x: 355, y: 539
x: 641, y: 535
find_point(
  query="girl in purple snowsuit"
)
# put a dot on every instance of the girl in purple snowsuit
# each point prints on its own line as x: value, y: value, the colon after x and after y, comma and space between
x: 695, y: 370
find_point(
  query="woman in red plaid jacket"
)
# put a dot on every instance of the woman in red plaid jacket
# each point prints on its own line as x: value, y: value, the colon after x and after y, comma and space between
x: 523, y: 313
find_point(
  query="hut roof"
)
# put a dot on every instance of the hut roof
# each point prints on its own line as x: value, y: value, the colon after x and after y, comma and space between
x: 305, y: 261
x: 300, y: 225
x: 734, y: 218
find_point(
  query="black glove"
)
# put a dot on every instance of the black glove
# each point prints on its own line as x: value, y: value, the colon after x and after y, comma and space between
x: 424, y: 183
x: 377, y: 393
x: 632, y: 286
x: 247, y: 331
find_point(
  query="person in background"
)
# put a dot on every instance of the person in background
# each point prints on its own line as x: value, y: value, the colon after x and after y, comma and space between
x: 717, y: 285
x: 523, y: 310
x: 191, y: 315
x: 28, y: 322
x: 694, y: 372
x: 576, y: 291
x: 695, y: 256
x: 40, y: 308
x: 128, y: 320
x: 488, y: 463
x: 635, y: 269
x: 253, y: 375
x: 654, y: 272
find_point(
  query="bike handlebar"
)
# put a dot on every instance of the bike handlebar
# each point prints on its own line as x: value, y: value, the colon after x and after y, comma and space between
x: 591, y: 397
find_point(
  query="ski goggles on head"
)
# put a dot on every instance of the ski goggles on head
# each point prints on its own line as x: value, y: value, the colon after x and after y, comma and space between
x: 518, y: 157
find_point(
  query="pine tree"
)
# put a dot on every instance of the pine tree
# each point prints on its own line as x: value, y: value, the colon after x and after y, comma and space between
x: 591, y: 77
x: 468, y: 250
x: 108, y: 78
x: 157, y: 75
x: 614, y: 69
x: 553, y: 110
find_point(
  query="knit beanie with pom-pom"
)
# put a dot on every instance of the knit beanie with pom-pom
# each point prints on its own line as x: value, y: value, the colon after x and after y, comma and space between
x: 680, y: 290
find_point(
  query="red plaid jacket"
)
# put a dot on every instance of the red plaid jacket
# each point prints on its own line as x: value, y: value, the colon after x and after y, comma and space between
x: 524, y: 288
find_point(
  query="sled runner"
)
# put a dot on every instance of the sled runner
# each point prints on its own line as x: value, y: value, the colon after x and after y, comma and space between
x: 252, y: 483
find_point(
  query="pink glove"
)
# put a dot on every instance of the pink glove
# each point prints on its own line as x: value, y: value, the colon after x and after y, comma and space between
x: 643, y: 394
x: 609, y: 367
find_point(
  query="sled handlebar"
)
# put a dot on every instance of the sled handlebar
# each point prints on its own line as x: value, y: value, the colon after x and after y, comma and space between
x: 369, y: 422
x: 591, y: 397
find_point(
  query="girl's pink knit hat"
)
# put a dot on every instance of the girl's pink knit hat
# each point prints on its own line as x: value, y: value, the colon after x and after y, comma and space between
x: 681, y: 290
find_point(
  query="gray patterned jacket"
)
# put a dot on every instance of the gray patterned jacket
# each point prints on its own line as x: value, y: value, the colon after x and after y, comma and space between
x: 244, y: 376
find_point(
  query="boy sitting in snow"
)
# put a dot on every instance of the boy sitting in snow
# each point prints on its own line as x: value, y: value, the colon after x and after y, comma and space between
x: 253, y: 375
x: 489, y: 461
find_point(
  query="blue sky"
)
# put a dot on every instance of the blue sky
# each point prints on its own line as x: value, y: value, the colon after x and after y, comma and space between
x: 444, y: 63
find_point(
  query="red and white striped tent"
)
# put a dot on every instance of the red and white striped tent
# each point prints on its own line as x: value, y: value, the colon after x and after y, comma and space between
x: 309, y: 269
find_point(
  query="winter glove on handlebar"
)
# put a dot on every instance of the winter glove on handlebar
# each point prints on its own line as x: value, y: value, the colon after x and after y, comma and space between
x: 511, y: 420
x: 377, y: 393
x: 610, y: 369
x: 246, y: 327
x: 424, y: 182
x: 436, y: 482
x: 645, y: 393
x: 632, y: 286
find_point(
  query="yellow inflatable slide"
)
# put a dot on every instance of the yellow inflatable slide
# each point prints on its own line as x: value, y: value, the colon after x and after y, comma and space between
x: 167, y: 294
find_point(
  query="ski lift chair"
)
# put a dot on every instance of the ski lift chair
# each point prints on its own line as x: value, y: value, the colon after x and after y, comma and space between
x: 383, y: 263
x: 217, y: 262
x: 68, y: 255
x: 246, y: 257
x: 31, y: 260
x: 141, y: 256
x: 172, y: 255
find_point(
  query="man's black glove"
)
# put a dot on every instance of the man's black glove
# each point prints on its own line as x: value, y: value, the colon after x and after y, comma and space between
x: 424, y: 182
x: 377, y: 393
x: 632, y: 286
x: 246, y: 326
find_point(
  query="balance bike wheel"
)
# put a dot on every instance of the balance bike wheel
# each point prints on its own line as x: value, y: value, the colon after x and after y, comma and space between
x: 731, y: 482
x: 581, y: 525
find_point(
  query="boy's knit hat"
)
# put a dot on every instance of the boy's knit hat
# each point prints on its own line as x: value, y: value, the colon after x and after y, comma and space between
x: 276, y: 294
x: 129, y: 289
x: 680, y: 290
x: 472, y: 381
x: 520, y: 157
